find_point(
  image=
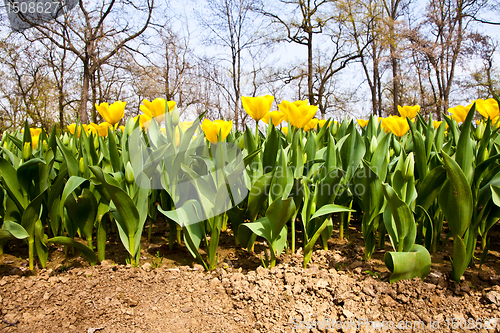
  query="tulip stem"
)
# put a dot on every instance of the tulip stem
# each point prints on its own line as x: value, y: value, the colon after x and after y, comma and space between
x: 257, y: 134
x: 171, y: 234
x: 150, y: 227
x: 178, y: 232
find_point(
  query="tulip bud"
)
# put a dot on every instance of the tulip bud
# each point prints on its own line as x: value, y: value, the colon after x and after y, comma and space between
x: 129, y: 173
x: 335, y: 128
x: 175, y: 116
x: 5, y: 145
x: 486, y: 155
x: 129, y: 126
x: 96, y: 141
x: 27, y: 150
x: 45, y: 145
x: 396, y: 146
x: 480, y: 130
x: 72, y: 146
x: 241, y: 143
x: 65, y: 139
x: 373, y: 144
x: 409, y: 167
x: 118, y: 176
x: 81, y: 166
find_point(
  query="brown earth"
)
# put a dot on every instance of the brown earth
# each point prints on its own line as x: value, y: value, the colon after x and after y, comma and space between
x: 170, y: 293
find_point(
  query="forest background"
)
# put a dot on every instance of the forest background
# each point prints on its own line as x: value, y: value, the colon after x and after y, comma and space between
x: 350, y: 57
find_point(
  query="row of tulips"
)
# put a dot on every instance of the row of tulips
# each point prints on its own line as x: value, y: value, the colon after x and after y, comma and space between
x: 405, y: 176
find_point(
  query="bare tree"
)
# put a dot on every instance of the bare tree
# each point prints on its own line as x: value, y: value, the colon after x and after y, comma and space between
x: 306, y: 19
x: 366, y: 27
x: 442, y: 38
x: 95, y: 32
x: 486, y: 78
x: 26, y: 89
x: 232, y: 25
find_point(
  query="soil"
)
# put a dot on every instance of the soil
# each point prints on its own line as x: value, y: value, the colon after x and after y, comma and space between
x: 168, y: 292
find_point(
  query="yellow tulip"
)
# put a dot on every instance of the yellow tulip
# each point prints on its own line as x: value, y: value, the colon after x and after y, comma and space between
x: 144, y: 120
x: 285, y: 130
x: 322, y: 123
x: 213, y: 128
x: 71, y: 128
x: 90, y: 129
x: 496, y: 122
x: 184, y: 125
x: 362, y: 122
x: 156, y: 108
x: 275, y: 116
x: 408, y: 111
x: 311, y: 124
x: 35, y: 131
x: 395, y: 124
x: 35, y: 134
x: 122, y: 128
x: 101, y: 129
x: 436, y: 124
x: 459, y: 112
x: 34, y: 141
x: 112, y: 113
x: 298, y: 116
x: 487, y: 108
x: 257, y: 107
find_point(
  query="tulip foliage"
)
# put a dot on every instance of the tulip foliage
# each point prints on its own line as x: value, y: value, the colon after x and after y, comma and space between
x: 409, y: 180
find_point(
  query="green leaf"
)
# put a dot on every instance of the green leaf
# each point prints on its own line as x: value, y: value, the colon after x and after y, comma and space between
x: 352, y: 151
x: 84, y: 249
x: 282, y: 181
x: 419, y: 150
x: 407, y: 265
x: 460, y: 261
x: 495, y: 194
x: 279, y: 213
x: 113, y: 152
x: 455, y: 198
x: 330, y: 209
x: 465, y: 155
x: 128, y: 217
x: 261, y: 227
x: 28, y: 172
x: 430, y: 187
x: 378, y: 161
x: 12, y: 185
x: 82, y: 210
x: 71, y: 162
x: 270, y: 151
x: 249, y: 158
x: 403, y: 218
x: 12, y: 230
x: 41, y: 249
x: 258, y: 194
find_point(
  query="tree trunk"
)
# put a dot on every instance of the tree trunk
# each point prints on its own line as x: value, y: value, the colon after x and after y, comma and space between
x: 310, y: 67
x: 85, y: 94
x: 395, y: 83
x: 94, y: 97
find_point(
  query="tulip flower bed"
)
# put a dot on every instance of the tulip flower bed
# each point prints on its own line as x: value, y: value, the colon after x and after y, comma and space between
x: 419, y: 184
